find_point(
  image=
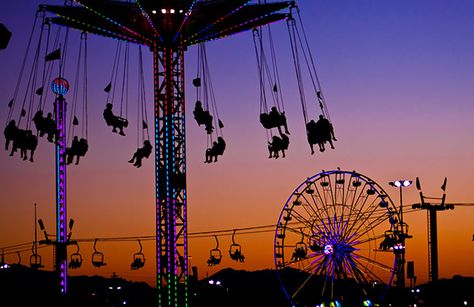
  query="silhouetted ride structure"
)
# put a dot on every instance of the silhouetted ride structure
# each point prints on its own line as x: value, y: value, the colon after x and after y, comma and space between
x: 338, y: 241
x: 167, y: 28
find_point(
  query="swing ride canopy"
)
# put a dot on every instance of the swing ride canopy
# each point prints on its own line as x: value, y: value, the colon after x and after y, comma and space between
x: 167, y: 21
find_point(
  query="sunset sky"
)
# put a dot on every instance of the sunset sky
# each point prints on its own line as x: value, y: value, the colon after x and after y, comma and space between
x: 398, y: 77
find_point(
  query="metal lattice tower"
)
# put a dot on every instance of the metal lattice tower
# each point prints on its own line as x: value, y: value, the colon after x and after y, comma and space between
x: 168, y: 27
x: 432, y: 225
x: 61, y: 220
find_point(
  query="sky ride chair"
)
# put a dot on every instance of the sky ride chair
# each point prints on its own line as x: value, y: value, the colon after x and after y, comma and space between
x: 97, y: 257
x: 35, y: 259
x: 138, y: 259
x: 215, y: 255
x: 76, y: 259
x: 235, y: 251
x: 301, y: 250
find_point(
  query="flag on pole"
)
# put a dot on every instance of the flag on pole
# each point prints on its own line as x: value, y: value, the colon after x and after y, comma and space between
x: 55, y: 55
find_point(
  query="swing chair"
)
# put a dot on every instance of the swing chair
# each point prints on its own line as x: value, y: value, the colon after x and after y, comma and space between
x: 118, y: 121
x: 269, y: 81
x: 215, y: 255
x: 78, y: 147
x: 301, y: 249
x: 143, y: 134
x: 275, y: 118
x: 76, y: 259
x: 320, y: 131
x: 20, y: 135
x: 235, y: 250
x: 138, y: 259
x: 35, y: 258
x: 97, y: 257
x: 202, y: 113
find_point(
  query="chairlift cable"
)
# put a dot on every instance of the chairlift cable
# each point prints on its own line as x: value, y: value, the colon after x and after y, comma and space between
x: 22, y: 247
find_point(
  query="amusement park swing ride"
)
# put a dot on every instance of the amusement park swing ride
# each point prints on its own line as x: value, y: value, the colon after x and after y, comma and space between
x: 331, y: 240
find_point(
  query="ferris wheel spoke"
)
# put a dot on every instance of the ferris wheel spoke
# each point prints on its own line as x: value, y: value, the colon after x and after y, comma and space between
x: 370, y: 227
x: 367, y: 240
x: 360, y: 211
x: 368, y: 273
x: 315, y: 202
x: 323, y: 201
x: 361, y: 218
x: 376, y: 263
x: 301, y: 219
x: 303, y: 284
x: 360, y: 275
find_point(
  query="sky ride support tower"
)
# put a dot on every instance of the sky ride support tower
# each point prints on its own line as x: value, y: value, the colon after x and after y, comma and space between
x: 168, y: 27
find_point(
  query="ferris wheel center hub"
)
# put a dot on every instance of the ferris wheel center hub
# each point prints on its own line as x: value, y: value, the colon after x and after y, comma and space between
x: 328, y: 249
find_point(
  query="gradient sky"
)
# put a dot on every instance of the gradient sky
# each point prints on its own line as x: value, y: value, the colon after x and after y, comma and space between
x: 398, y: 77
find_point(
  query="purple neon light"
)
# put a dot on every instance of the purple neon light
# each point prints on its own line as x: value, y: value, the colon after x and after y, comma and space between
x: 185, y: 20
x: 145, y: 14
x: 61, y: 236
x: 113, y: 21
x: 106, y: 32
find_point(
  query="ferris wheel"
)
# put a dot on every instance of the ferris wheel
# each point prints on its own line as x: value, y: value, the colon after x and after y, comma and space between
x: 336, y: 241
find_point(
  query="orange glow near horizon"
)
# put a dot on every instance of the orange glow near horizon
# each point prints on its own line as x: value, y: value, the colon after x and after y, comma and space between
x: 398, y: 80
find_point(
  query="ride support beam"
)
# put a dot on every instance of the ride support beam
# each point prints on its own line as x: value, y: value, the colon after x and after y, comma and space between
x: 433, y: 245
x: 170, y: 174
x: 61, y: 214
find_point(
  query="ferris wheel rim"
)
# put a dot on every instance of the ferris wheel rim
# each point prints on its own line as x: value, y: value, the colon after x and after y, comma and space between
x: 288, y: 208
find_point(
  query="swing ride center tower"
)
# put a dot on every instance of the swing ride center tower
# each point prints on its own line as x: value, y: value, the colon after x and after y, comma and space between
x: 168, y: 27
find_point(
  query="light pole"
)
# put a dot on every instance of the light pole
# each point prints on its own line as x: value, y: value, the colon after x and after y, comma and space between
x: 402, y: 233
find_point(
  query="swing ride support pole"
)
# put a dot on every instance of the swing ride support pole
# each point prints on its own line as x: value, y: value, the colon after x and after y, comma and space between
x: 170, y: 174
x: 61, y: 217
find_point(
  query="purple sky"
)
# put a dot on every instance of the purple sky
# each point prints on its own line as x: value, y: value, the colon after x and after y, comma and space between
x: 398, y: 77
